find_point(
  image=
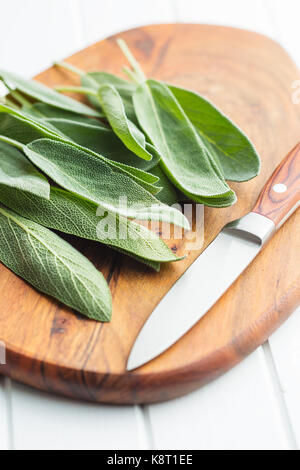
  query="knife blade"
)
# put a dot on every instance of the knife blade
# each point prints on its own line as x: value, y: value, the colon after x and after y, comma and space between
x: 213, y: 272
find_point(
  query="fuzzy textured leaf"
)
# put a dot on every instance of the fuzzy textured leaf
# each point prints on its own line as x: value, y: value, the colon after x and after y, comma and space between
x: 168, y: 195
x: 184, y: 157
x: 17, y: 172
x: 102, y: 140
x: 23, y: 130
x: 53, y: 266
x: 126, y: 89
x: 45, y: 111
x: 75, y: 215
x: 228, y: 144
x: 45, y: 94
x: 18, y: 126
x: 114, y: 110
x: 88, y: 176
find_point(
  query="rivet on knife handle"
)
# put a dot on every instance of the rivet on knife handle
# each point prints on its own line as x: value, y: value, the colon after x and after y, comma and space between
x: 281, y: 195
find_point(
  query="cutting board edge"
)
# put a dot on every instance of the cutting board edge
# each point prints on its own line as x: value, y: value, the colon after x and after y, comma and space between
x: 220, y: 27
x: 174, y: 382
x: 196, y: 381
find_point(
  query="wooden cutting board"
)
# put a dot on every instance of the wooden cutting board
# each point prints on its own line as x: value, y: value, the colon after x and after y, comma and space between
x: 52, y: 348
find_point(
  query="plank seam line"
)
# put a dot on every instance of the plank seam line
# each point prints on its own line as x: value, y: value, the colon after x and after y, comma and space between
x: 8, y: 399
x: 147, y: 438
x: 279, y: 395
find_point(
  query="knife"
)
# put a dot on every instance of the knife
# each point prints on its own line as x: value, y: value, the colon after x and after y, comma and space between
x: 220, y: 264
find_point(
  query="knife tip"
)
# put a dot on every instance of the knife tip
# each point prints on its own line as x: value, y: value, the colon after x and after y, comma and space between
x: 132, y: 364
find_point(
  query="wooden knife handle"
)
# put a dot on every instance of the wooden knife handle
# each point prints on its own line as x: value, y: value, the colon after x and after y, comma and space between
x: 281, y: 195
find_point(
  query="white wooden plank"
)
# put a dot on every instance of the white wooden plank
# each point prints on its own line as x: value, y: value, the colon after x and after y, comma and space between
x: 248, y: 14
x: 285, y: 15
x: 37, y: 33
x: 284, y: 343
x: 49, y: 30
x: 102, y: 18
x: 237, y: 411
x: 285, y: 348
x: 44, y: 421
x: 5, y: 424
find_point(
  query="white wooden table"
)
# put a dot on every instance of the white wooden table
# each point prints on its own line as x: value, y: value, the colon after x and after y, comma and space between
x: 254, y: 406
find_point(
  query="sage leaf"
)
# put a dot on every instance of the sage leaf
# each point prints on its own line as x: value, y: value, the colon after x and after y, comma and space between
x: 228, y: 144
x: 127, y: 130
x: 168, y: 194
x: 17, y: 172
x: 26, y: 127
x: 145, y: 180
x: 87, y: 176
x: 124, y: 88
x: 75, y: 215
x: 114, y: 110
x: 22, y: 130
x: 82, y: 139
x: 44, y: 94
x: 184, y: 156
x: 42, y: 111
x: 102, y: 140
x: 18, y: 126
x: 53, y: 266
x: 93, y: 80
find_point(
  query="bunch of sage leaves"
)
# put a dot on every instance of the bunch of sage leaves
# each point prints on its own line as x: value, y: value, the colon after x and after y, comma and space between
x: 200, y: 148
x: 64, y: 165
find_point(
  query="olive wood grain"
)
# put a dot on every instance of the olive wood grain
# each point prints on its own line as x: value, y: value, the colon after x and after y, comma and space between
x: 281, y: 195
x: 52, y: 348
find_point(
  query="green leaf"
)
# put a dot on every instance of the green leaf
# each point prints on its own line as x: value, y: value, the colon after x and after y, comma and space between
x: 17, y: 172
x: 102, y: 140
x: 75, y: 215
x: 227, y: 143
x: 22, y: 130
x: 114, y: 110
x: 111, y: 149
x: 45, y: 111
x: 88, y: 176
x: 168, y: 194
x: 24, y: 126
x: 91, y: 81
x: 16, y: 125
x: 53, y: 266
x: 184, y: 157
x: 42, y: 93
x: 126, y: 89
x: 144, y: 179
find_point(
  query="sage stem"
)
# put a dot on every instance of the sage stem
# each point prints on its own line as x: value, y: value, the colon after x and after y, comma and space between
x: 13, y: 142
x: 19, y: 98
x: 134, y: 64
x: 76, y: 89
x: 70, y: 67
x: 130, y: 73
